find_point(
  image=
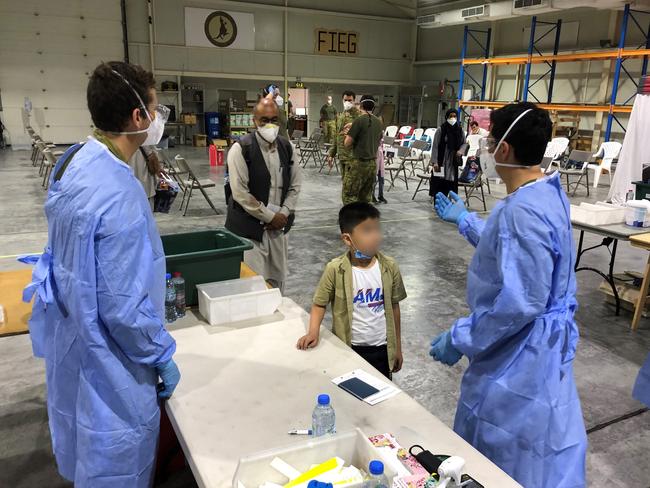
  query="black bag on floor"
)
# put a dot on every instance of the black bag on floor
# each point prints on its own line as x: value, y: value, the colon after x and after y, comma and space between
x: 166, y: 191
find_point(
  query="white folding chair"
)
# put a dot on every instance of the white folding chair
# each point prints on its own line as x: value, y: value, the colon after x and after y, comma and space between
x: 391, y: 131
x: 608, y: 151
x: 555, y: 150
x: 429, y: 134
x: 403, y: 133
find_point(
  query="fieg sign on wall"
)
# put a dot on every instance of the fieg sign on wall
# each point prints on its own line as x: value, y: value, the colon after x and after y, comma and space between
x: 218, y: 28
x: 336, y: 42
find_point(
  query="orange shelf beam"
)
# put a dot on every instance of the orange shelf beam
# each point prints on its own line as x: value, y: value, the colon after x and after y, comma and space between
x: 572, y: 57
x: 560, y: 107
x: 499, y: 60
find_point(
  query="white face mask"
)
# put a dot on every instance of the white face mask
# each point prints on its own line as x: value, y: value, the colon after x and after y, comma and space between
x: 279, y: 100
x: 269, y: 132
x: 347, y: 105
x: 488, y: 161
x: 154, y: 132
x: 452, y: 121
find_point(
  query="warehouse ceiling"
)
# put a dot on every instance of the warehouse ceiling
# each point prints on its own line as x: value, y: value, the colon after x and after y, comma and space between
x: 434, y: 6
x: 402, y: 9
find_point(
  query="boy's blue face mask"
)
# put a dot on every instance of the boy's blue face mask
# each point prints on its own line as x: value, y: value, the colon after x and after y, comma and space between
x: 357, y: 253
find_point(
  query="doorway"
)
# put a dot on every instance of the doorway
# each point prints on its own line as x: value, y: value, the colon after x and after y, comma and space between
x: 298, y: 106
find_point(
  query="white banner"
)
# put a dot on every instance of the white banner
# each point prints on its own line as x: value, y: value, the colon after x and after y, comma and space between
x: 219, y: 28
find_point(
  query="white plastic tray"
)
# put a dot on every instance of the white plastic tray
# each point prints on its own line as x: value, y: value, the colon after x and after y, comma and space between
x: 353, y: 447
x: 229, y: 301
x: 599, y: 214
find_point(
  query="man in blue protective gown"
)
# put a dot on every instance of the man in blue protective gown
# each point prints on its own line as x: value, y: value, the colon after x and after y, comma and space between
x: 518, y: 401
x: 98, y: 314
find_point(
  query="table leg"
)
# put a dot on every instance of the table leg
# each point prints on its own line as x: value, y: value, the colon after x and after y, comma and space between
x: 579, y: 255
x: 643, y: 294
x: 609, y: 277
x: 612, y: 259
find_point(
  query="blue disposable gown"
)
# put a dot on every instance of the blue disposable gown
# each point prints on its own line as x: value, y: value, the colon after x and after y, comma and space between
x: 518, y: 402
x: 642, y: 385
x: 98, y: 322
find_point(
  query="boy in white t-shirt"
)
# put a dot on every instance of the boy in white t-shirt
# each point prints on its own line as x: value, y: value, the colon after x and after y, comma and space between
x: 366, y: 283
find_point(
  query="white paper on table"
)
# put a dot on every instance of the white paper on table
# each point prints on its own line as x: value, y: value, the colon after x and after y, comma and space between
x: 385, y: 392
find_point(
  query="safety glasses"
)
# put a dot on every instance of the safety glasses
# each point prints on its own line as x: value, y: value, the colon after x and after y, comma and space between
x: 487, y: 143
x: 163, y: 112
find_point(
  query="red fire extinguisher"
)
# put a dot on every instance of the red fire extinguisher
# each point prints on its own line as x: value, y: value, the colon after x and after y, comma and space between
x: 220, y: 157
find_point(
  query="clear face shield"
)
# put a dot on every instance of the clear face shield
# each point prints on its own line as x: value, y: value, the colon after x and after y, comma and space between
x: 488, y: 147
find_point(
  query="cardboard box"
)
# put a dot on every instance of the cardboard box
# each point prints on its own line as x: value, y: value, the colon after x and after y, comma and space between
x: 627, y: 292
x: 200, y: 140
x: 220, y: 142
x: 189, y: 119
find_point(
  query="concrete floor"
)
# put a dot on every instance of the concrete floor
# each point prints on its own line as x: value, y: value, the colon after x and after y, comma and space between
x: 433, y: 259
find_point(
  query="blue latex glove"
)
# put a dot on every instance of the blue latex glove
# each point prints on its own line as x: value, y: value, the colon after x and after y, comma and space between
x: 444, y: 351
x: 170, y: 376
x: 453, y: 210
x: 28, y: 258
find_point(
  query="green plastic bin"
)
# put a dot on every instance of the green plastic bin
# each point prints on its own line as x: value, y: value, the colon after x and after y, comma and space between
x: 204, y: 257
x: 642, y: 190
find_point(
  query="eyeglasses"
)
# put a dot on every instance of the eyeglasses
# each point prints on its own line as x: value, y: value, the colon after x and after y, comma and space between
x: 487, y: 143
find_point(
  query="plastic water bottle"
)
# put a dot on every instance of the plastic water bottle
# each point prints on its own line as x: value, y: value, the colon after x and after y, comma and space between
x: 323, y: 419
x: 170, y: 300
x: 179, y: 288
x: 377, y: 477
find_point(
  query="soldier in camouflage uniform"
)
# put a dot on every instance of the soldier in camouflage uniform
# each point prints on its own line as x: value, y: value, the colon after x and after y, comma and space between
x: 328, y: 121
x: 363, y: 138
x: 344, y: 119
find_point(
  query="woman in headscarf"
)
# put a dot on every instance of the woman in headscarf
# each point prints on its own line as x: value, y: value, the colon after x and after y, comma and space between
x: 446, y: 154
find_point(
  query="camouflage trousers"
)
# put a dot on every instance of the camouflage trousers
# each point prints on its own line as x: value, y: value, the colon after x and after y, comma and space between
x: 358, y: 180
x: 329, y: 131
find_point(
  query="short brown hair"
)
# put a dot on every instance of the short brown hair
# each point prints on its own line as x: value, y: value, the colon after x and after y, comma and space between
x: 111, y: 100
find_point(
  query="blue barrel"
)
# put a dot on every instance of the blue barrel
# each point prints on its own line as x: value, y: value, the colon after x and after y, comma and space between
x: 212, y: 125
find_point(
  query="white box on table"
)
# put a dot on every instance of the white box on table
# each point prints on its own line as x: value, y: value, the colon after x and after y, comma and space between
x: 228, y: 301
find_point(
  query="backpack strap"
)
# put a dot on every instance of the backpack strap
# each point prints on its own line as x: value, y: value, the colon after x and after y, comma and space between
x: 68, y: 157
